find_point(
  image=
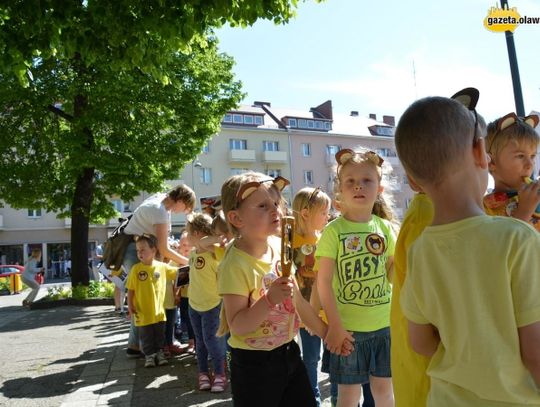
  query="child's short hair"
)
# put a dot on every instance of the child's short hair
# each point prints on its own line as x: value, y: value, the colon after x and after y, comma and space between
x: 199, y: 223
x: 229, y: 191
x: 184, y: 194
x: 219, y: 224
x: 499, y: 135
x: 433, y: 136
x: 308, y: 198
x: 148, y: 238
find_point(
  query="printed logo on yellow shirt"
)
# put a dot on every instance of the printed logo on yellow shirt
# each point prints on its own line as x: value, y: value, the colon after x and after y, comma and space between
x: 200, y: 262
x: 142, y: 275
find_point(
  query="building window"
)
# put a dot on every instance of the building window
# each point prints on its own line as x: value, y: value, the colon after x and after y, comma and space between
x: 227, y: 118
x: 331, y: 150
x: 292, y: 122
x: 306, y: 149
x: 308, y: 177
x: 34, y: 213
x: 259, y: 120
x: 237, y: 144
x: 302, y: 123
x: 206, y: 176
x: 327, y: 126
x: 274, y: 173
x: 206, y: 148
x: 386, y: 152
x: 310, y: 124
x: 248, y: 119
x: 237, y: 118
x: 238, y: 171
x: 319, y: 124
x: 270, y: 146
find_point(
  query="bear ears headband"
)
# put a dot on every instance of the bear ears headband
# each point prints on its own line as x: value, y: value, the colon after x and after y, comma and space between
x: 512, y: 118
x: 346, y: 154
x: 468, y: 97
x: 248, y: 188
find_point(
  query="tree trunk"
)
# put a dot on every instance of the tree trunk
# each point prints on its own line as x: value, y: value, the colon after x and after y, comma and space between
x: 80, y: 219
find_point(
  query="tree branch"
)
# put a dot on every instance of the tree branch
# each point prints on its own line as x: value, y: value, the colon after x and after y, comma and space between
x: 60, y: 113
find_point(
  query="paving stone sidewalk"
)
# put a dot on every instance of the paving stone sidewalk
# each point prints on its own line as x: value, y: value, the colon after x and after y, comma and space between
x: 75, y: 356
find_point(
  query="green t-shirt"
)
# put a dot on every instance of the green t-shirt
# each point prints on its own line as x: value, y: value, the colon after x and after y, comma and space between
x: 360, y: 283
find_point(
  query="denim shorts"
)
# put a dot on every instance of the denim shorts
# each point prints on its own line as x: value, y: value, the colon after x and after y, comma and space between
x: 370, y: 357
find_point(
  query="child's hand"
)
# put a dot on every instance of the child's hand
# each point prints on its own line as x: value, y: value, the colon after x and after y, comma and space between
x: 529, y: 199
x: 132, y: 310
x: 335, y: 338
x: 280, y: 289
x: 347, y: 348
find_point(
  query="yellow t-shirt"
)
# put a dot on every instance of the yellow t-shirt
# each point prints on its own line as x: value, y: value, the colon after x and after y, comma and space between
x: 409, y: 378
x: 360, y: 282
x: 148, y: 283
x: 245, y: 275
x: 203, y: 276
x: 476, y: 280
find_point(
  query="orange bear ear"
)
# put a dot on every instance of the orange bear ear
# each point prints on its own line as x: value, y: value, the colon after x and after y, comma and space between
x: 506, y: 121
x: 468, y: 97
x: 342, y: 156
x: 281, y: 183
x: 532, y: 120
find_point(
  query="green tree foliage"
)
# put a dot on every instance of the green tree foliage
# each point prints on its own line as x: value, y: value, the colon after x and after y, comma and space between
x: 102, y: 98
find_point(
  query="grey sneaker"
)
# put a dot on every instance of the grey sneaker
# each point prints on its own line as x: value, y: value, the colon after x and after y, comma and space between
x: 150, y: 360
x: 161, y: 359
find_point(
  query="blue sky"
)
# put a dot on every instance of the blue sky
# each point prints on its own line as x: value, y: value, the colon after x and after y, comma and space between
x: 360, y: 55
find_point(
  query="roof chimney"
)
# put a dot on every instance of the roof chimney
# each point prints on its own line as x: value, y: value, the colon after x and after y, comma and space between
x: 390, y: 120
x: 373, y: 116
x: 260, y: 104
x: 354, y: 113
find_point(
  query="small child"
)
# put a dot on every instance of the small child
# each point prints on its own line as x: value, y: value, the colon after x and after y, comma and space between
x: 311, y: 207
x: 355, y: 258
x: 266, y: 368
x: 28, y: 276
x: 472, y: 292
x: 205, y: 305
x: 146, y: 294
x: 512, y: 144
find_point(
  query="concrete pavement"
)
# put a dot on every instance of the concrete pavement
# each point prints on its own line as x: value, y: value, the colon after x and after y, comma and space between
x: 75, y: 356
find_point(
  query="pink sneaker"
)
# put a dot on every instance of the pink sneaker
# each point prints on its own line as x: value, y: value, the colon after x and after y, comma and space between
x: 204, y: 382
x: 176, y: 349
x: 220, y: 382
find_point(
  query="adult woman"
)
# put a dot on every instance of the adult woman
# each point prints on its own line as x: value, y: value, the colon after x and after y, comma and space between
x: 28, y: 276
x: 153, y: 217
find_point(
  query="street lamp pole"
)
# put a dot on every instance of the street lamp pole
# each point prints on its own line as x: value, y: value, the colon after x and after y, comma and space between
x: 514, y: 70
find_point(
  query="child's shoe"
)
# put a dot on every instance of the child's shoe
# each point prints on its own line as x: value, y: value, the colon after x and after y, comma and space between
x: 161, y: 359
x: 177, y: 349
x: 167, y: 351
x: 150, y: 360
x: 220, y: 382
x: 204, y: 382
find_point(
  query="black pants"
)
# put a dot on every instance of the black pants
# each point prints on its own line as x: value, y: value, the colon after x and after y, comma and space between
x: 152, y: 337
x: 276, y: 378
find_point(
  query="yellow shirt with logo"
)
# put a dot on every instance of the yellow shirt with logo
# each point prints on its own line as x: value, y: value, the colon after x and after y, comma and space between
x: 360, y: 282
x: 245, y: 275
x: 409, y: 378
x: 477, y: 281
x: 203, y: 276
x: 148, y: 283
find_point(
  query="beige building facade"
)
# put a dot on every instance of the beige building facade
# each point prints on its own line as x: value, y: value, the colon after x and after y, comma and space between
x: 298, y: 145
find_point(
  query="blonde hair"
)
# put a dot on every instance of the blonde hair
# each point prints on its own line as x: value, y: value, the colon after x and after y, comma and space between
x: 312, y: 199
x: 432, y: 138
x: 35, y: 253
x: 230, y: 189
x: 517, y: 132
x: 382, y: 206
x: 219, y: 224
x: 199, y: 223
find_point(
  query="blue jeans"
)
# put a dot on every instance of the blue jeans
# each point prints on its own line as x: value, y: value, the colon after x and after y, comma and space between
x: 311, y: 355
x: 205, y: 325
x: 170, y: 314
